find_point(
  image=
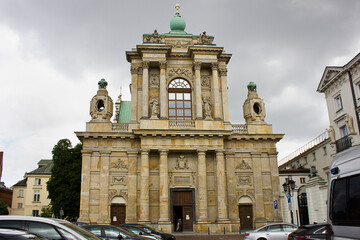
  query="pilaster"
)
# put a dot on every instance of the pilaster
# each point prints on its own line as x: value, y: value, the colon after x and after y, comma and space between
x: 198, y: 103
x: 145, y: 90
x: 164, y: 187
x: 224, y: 91
x: 134, y: 93
x: 85, y: 187
x: 104, y: 188
x: 163, y: 91
x: 131, y: 210
x: 258, y: 187
x: 202, y: 187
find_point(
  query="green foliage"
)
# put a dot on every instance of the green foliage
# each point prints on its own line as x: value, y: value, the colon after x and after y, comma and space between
x: 65, y: 182
x: 3, y: 208
x: 46, y: 212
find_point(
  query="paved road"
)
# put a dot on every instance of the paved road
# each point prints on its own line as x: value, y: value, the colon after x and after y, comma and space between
x: 210, y: 237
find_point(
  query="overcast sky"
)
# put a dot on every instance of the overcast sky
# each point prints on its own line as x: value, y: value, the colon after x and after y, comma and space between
x: 53, y: 53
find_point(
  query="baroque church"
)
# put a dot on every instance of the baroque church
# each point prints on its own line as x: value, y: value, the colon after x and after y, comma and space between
x: 171, y: 152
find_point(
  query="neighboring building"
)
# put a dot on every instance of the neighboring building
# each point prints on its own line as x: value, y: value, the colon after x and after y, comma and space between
x: 30, y: 194
x: 5, y: 193
x: 341, y: 86
x: 309, y: 167
x: 172, y: 152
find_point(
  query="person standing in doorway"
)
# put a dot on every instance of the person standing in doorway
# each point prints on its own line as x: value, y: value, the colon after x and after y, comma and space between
x: 179, y: 225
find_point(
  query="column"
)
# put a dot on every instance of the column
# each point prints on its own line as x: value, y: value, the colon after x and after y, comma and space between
x: 221, y: 186
x: 104, y: 188
x: 224, y: 90
x: 215, y: 90
x: 275, y: 184
x: 131, y: 216
x: 163, y: 92
x: 134, y: 93
x: 85, y: 187
x: 164, y: 187
x: 198, y: 100
x: 144, y: 187
x: 202, y: 186
x: 145, y: 90
x: 258, y: 187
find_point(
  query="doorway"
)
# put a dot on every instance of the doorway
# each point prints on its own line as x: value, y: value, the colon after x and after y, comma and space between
x: 246, y: 216
x: 182, y: 207
x: 303, y: 206
x: 118, y: 214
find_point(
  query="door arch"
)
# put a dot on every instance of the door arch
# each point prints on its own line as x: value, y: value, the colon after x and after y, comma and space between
x: 246, y: 212
x: 118, y: 211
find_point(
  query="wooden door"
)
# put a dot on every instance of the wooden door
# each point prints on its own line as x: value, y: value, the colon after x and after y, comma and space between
x: 118, y: 214
x: 246, y: 216
x: 188, y: 218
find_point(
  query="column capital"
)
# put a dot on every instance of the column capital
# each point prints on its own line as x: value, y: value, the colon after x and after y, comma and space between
x: 201, y: 150
x: 197, y: 65
x: 223, y: 71
x: 132, y: 153
x: 215, y: 66
x: 164, y: 151
x: 86, y: 152
x: 162, y: 64
x: 145, y: 64
x: 145, y: 151
x: 219, y: 152
x: 134, y: 69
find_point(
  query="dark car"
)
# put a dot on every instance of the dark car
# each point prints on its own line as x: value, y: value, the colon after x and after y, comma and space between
x: 17, y: 234
x: 109, y: 232
x: 312, y: 231
x: 165, y: 236
x: 140, y: 232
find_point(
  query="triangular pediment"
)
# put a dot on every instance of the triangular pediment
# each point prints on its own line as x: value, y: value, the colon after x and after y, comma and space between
x: 328, y: 75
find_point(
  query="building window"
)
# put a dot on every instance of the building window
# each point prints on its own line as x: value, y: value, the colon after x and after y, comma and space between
x: 313, y: 170
x: 314, y: 156
x: 338, y: 101
x: 19, y: 205
x: 36, y: 196
x: 302, y: 180
x: 35, y: 213
x: 343, y: 131
x: 179, y: 100
x: 21, y: 193
x: 37, y: 181
x: 325, y: 152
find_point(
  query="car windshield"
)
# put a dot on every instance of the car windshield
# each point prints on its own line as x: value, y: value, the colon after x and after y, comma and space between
x: 82, y: 232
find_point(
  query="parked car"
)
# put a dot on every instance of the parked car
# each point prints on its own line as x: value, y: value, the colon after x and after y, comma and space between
x: 15, y: 234
x: 311, y: 232
x: 165, y: 236
x: 47, y: 227
x: 142, y: 233
x: 109, y: 232
x: 80, y: 224
x: 273, y: 231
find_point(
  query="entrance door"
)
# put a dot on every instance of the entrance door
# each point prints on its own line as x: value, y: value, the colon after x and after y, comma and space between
x: 118, y: 214
x: 303, y: 208
x: 246, y: 216
x: 182, y: 207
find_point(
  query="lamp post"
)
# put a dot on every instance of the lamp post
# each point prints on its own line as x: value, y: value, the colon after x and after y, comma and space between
x: 289, y: 187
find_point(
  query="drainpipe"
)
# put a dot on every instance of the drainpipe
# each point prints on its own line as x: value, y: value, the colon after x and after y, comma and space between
x: 354, y: 99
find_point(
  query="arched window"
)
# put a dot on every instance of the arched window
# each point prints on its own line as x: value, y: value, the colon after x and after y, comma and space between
x: 179, y: 100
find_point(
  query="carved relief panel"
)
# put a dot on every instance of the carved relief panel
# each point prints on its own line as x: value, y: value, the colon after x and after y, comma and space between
x: 182, y: 173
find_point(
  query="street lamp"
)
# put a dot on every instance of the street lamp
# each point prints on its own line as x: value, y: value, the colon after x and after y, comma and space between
x: 289, y: 187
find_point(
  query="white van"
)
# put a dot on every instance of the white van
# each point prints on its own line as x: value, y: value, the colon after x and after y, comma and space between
x: 344, y: 195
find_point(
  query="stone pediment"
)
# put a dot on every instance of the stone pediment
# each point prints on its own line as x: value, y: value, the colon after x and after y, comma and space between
x: 328, y: 75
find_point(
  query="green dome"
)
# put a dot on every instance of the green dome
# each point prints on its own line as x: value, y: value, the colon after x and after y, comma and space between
x: 177, y: 24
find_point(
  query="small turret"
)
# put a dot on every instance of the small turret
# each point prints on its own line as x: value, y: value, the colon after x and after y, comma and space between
x: 101, y: 106
x: 254, y: 107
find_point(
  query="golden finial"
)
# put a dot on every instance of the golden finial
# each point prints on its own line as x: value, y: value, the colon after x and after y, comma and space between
x: 177, y: 6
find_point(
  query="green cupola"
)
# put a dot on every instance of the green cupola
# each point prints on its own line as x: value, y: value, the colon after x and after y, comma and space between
x: 177, y: 24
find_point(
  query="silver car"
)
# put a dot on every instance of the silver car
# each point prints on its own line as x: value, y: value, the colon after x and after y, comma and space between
x: 274, y: 231
x: 48, y: 228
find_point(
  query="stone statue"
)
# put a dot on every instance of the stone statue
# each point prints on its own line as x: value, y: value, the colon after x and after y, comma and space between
x: 331, y: 134
x: 204, y: 39
x: 154, y: 107
x: 207, y: 107
x: 350, y: 123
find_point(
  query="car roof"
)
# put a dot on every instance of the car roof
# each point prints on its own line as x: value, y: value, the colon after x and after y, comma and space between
x: 29, y: 218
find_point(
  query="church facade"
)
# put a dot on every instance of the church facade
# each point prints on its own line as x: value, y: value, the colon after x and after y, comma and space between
x: 172, y: 152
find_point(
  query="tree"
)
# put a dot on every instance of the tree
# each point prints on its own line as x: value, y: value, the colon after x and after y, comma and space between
x: 3, y: 208
x: 46, y: 212
x: 65, y: 182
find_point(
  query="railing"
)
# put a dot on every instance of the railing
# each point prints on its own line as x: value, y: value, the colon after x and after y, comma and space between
x: 343, y: 143
x: 120, y: 127
x: 322, y: 137
x: 181, y: 124
x: 239, y: 128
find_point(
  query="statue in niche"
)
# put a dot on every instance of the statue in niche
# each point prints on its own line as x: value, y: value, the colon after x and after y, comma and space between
x: 207, y: 108
x: 181, y: 163
x: 154, y: 108
x: 331, y: 134
x: 350, y: 123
